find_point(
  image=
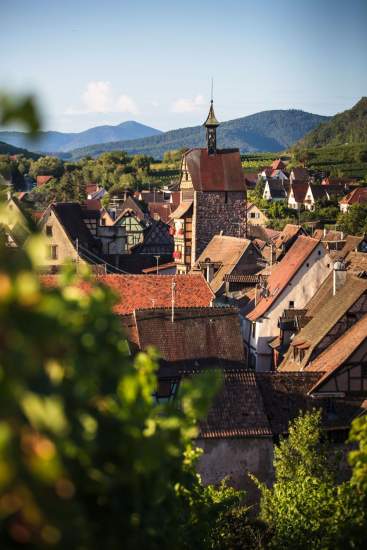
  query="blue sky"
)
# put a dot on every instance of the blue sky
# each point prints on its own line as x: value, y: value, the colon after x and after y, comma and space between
x: 97, y: 62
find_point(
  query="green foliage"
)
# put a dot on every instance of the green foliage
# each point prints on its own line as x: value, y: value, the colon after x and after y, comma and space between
x: 358, y: 457
x: 86, y: 458
x: 237, y: 530
x: 20, y: 110
x: 344, y: 128
x: 306, y: 508
x: 354, y: 221
x: 47, y: 166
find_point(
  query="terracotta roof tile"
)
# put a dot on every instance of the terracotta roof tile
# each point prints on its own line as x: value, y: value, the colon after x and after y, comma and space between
x: 161, y: 210
x: 278, y: 165
x: 357, y: 196
x: 325, y: 311
x: 283, y: 273
x: 181, y: 210
x: 219, y: 172
x: 226, y: 251
x: 300, y: 173
x: 340, y: 350
x: 196, y: 333
x: 42, y: 180
x: 146, y: 291
x: 288, y: 234
x: 299, y: 189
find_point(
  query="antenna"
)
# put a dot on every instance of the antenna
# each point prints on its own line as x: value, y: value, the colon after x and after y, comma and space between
x: 173, y: 301
x: 211, y: 96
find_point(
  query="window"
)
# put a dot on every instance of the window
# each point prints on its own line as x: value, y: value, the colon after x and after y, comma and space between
x: 52, y: 252
x: 225, y: 197
x: 291, y: 304
x: 103, y: 221
x: 252, y: 214
x: 49, y: 230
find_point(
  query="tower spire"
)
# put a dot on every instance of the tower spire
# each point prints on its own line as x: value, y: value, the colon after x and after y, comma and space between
x: 211, y: 125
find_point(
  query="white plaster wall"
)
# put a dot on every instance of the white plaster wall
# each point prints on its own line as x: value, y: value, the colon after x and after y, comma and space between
x: 299, y: 290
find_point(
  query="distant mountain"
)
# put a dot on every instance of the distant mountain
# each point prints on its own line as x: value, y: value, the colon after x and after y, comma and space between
x: 347, y: 127
x: 57, y: 142
x: 265, y: 131
x: 6, y: 149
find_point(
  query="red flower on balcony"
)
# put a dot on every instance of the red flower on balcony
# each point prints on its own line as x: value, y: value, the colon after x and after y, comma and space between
x: 180, y: 232
x: 171, y: 230
x: 177, y: 254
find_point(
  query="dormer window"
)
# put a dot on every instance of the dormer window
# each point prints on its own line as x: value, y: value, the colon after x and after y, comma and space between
x: 49, y: 230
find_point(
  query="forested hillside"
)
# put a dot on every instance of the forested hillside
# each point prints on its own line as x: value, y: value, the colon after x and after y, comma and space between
x: 265, y: 131
x: 346, y: 128
x: 56, y: 142
x: 6, y: 149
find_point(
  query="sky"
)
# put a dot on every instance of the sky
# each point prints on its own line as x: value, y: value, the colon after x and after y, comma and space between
x: 104, y: 62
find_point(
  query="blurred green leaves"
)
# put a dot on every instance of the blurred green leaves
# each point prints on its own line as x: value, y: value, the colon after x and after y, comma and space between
x: 20, y: 110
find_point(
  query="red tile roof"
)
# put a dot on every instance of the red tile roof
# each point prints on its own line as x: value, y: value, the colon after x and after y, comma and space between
x: 147, y: 291
x: 300, y: 173
x: 90, y: 188
x: 196, y: 333
x: 278, y: 165
x: 161, y: 210
x: 289, y: 232
x: 219, y: 172
x: 283, y: 273
x: 339, y: 351
x: 299, y: 189
x: 357, y: 196
x: 92, y: 204
x: 41, y: 180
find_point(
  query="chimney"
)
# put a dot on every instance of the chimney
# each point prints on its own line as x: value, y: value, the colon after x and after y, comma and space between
x: 339, y: 276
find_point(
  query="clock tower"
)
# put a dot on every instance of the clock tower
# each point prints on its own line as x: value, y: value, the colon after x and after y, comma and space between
x: 211, y: 125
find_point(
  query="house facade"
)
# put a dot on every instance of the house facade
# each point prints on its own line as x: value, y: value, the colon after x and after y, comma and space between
x: 255, y: 216
x: 291, y: 284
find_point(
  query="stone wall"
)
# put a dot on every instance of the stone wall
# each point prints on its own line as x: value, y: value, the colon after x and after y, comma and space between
x: 235, y: 458
x: 215, y: 212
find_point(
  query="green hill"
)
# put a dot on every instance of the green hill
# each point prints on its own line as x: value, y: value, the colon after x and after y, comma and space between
x: 349, y: 127
x: 58, y: 142
x: 266, y: 131
x: 6, y: 149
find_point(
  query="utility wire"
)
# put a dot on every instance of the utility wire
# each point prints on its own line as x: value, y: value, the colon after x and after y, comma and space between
x: 101, y: 260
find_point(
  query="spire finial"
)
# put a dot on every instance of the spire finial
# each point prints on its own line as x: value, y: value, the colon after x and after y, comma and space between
x: 211, y: 95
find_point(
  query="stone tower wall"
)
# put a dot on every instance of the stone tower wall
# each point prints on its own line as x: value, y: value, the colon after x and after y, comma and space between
x: 215, y: 212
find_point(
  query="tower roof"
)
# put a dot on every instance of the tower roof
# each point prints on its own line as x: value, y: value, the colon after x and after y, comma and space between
x: 211, y: 120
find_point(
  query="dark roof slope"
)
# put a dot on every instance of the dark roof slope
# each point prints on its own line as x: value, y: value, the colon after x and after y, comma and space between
x: 71, y: 215
x: 285, y: 395
x: 237, y: 410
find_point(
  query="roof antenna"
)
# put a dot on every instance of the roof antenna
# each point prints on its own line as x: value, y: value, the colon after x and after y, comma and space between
x: 173, y: 301
x: 211, y: 96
